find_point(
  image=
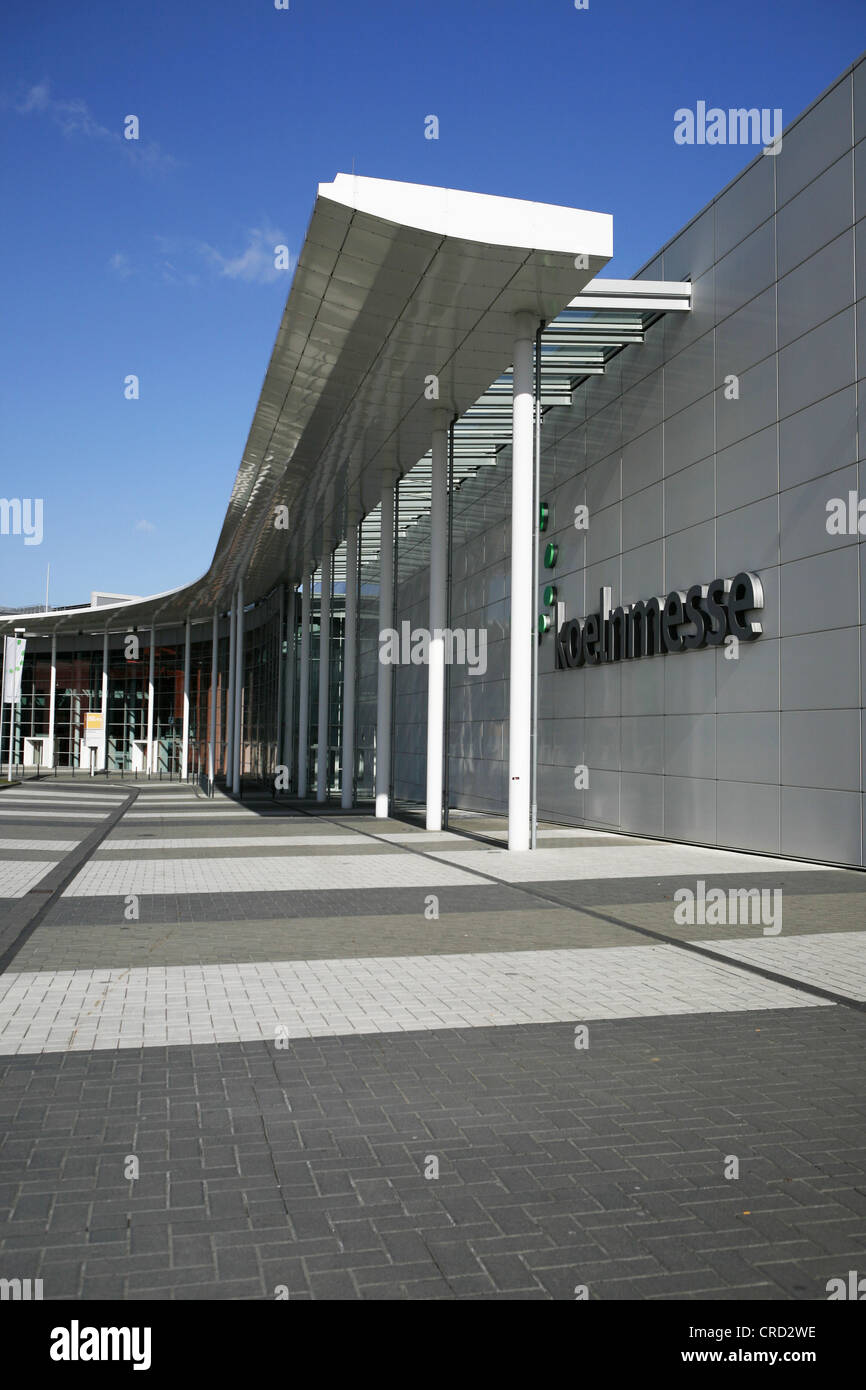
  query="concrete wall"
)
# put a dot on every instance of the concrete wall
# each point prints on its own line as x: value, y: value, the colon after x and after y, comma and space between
x: 682, y: 485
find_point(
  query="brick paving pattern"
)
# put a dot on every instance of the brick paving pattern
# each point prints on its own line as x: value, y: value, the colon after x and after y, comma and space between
x: 288, y: 1036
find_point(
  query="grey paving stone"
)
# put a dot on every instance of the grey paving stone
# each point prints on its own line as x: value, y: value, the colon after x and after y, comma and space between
x: 311, y: 1161
x: 509, y: 1272
x: 220, y: 1291
x: 337, y: 1285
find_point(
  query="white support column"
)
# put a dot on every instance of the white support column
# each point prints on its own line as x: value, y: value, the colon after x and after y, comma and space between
x: 184, y: 743
x: 103, y: 762
x: 304, y: 698
x: 324, y: 672
x: 350, y: 648
x: 214, y: 669
x: 52, y: 699
x: 239, y: 693
x: 230, y: 698
x: 521, y: 634
x: 385, y: 684
x: 288, y: 757
x: 438, y: 618
x: 151, y: 667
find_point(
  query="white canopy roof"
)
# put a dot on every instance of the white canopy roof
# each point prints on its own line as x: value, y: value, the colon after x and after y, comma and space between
x: 395, y: 283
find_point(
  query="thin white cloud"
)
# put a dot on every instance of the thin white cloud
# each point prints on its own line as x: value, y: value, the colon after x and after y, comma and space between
x: 74, y: 118
x: 175, y: 275
x: 256, y: 263
x: 120, y: 264
x: 144, y: 526
x: 186, y: 261
x: 37, y: 99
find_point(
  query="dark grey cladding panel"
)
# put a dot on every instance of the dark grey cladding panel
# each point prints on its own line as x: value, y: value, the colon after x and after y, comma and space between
x: 683, y: 484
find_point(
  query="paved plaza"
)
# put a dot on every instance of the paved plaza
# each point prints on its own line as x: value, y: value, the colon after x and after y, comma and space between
x: 351, y: 1058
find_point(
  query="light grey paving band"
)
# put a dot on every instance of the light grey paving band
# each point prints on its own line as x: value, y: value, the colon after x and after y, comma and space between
x: 24, y: 914
x: 773, y: 976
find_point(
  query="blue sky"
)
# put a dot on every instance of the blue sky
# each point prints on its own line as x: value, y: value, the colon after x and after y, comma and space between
x: 154, y: 257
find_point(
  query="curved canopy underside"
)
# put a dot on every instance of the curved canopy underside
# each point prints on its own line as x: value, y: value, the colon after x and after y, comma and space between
x: 396, y: 284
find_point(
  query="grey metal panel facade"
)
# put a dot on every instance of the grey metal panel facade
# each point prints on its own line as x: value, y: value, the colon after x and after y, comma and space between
x: 765, y: 752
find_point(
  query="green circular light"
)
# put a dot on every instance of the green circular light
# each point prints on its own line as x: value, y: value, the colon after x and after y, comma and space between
x: 551, y: 551
x: 549, y: 594
x: 543, y: 624
x: 543, y: 516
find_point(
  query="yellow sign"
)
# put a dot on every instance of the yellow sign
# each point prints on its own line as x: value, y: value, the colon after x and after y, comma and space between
x: 93, y: 723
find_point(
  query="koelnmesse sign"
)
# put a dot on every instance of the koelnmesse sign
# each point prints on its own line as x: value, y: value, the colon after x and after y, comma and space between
x: 703, y: 616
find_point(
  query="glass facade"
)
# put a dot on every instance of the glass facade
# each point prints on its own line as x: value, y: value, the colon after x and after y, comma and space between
x: 261, y: 715
x: 78, y: 691
x: 335, y: 683
x: 33, y: 718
